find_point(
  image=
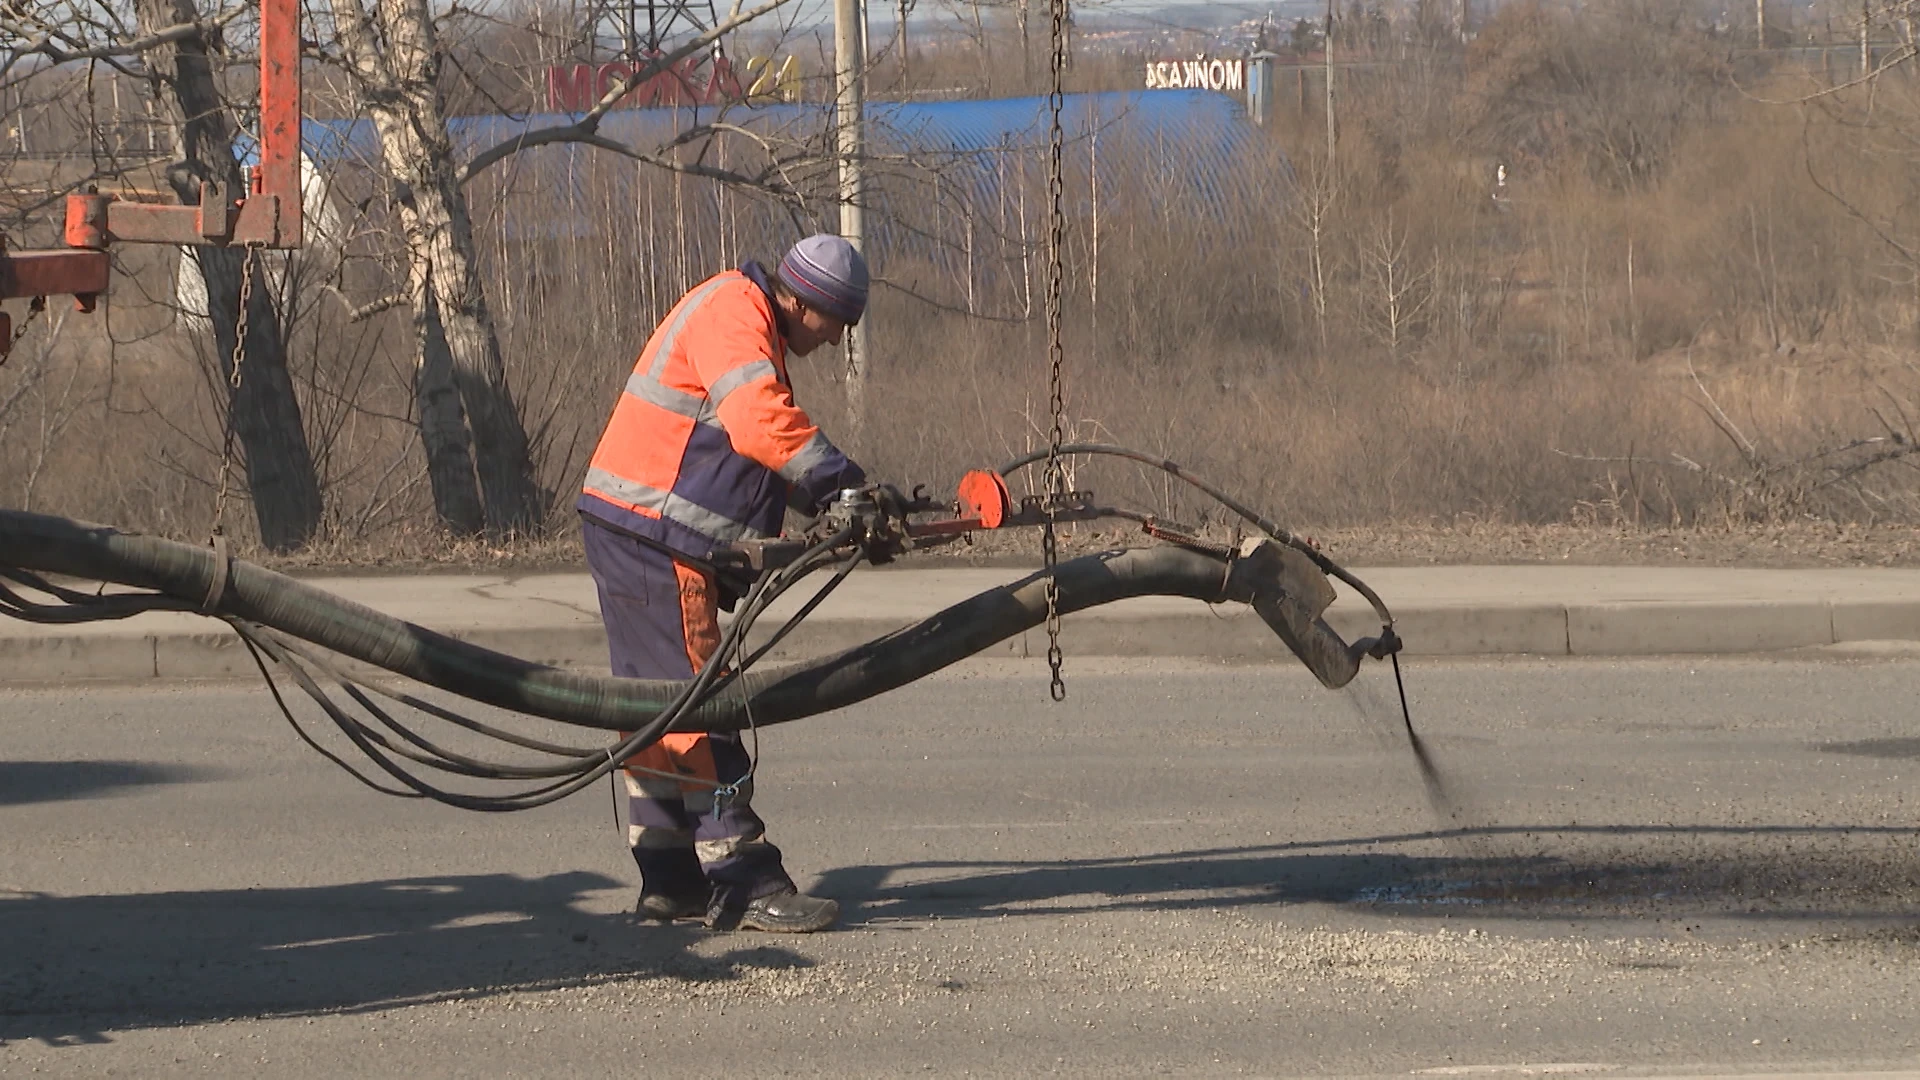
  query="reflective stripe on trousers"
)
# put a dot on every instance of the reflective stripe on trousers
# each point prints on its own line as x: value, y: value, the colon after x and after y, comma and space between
x: 662, y: 620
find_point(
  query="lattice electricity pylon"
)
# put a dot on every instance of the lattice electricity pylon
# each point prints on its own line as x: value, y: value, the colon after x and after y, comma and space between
x: 638, y: 32
x: 668, y: 22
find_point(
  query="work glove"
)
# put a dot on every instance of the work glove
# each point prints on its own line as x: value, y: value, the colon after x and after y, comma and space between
x: 731, y: 586
x: 814, y: 491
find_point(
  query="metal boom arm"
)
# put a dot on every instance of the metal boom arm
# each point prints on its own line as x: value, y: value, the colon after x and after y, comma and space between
x: 266, y: 214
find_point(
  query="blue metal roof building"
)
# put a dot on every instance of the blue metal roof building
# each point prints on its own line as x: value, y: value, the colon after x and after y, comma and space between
x: 1206, y: 135
x: 955, y: 185
x: 1210, y: 126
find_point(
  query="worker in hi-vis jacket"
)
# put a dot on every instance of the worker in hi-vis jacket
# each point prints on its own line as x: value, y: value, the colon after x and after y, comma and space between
x: 706, y: 447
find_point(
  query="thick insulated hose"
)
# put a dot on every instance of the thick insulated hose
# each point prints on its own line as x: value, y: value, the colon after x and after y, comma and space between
x: 1248, y: 514
x: 53, y: 545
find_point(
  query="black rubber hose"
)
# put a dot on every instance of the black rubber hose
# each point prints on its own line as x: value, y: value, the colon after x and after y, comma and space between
x: 53, y: 545
x: 1248, y: 513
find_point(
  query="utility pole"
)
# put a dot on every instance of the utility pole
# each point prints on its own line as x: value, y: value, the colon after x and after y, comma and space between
x: 20, y: 116
x: 1866, y: 37
x: 850, y: 62
x: 1328, y: 53
x: 1760, y: 24
x: 1026, y: 49
x: 905, y: 7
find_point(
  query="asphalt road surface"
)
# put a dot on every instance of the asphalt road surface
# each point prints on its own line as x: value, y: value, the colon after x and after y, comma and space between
x: 1638, y: 867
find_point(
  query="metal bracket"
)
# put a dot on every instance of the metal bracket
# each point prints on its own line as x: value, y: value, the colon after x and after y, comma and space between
x: 1291, y: 596
x: 266, y: 214
x: 79, y: 274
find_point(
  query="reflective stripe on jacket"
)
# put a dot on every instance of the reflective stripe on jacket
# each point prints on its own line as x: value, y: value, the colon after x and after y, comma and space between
x: 706, y: 437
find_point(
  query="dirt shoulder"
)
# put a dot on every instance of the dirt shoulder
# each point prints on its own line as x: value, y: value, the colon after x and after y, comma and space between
x: 1769, y: 547
x: 1478, y: 544
x: 1475, y: 543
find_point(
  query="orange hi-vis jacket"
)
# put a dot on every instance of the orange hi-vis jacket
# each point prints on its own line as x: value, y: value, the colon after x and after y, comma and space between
x: 706, y: 437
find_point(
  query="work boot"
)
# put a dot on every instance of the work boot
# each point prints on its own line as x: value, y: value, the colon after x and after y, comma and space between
x: 666, y: 907
x: 789, y: 912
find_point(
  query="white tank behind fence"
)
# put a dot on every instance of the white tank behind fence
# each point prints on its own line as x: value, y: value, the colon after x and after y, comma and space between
x: 324, y: 231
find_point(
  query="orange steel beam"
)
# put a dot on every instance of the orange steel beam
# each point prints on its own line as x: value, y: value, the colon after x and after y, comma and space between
x: 267, y: 213
x: 81, y: 274
x: 279, y: 172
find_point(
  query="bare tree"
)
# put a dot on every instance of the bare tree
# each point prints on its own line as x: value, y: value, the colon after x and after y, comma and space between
x: 1610, y: 90
x: 395, y: 56
x: 1877, y: 117
x: 177, y: 50
x: 470, y: 423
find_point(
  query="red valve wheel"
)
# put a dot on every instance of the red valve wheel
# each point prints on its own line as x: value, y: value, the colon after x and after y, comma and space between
x: 983, y: 495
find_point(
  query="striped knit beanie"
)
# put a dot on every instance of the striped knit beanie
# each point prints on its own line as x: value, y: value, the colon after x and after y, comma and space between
x: 828, y: 275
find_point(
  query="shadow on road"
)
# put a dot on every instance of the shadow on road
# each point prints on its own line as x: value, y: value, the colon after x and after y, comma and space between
x: 23, y: 782
x: 1886, y: 749
x: 78, y: 967
x: 1805, y: 872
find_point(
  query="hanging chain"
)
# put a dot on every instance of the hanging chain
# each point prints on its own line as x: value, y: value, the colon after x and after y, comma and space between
x: 234, y: 370
x: 34, y: 307
x: 1055, y: 477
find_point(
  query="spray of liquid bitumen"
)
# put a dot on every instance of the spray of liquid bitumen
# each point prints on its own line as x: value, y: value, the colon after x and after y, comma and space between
x: 1377, y: 706
x: 1489, y: 863
x: 1480, y: 860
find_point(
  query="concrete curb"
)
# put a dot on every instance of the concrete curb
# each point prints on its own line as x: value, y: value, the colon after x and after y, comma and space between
x: 198, y: 649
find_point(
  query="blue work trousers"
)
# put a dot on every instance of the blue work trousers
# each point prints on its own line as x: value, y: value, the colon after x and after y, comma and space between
x: 662, y: 619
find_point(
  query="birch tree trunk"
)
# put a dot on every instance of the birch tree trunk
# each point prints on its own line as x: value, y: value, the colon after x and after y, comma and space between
x: 265, y: 413
x: 443, y: 423
x: 457, y: 346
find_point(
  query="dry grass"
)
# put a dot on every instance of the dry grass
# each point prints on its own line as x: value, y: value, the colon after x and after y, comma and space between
x: 1655, y: 346
x: 1466, y: 541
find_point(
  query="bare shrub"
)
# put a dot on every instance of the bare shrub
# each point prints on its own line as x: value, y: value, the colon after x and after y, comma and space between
x: 1688, y: 308
x: 1611, y: 89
